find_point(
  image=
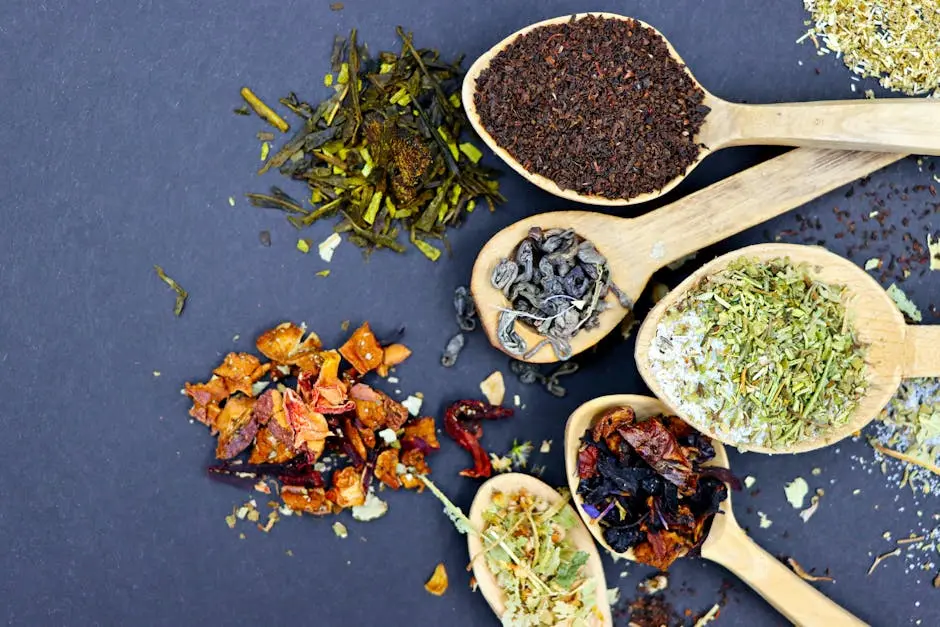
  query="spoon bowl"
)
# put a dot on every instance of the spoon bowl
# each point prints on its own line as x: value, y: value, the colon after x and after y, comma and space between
x: 637, y: 247
x: 894, y: 349
x: 726, y: 544
x: 909, y: 125
x: 509, y: 483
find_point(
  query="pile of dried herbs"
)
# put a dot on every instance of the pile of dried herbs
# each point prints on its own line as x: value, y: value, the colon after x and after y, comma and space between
x: 645, y: 484
x: 292, y: 413
x: 894, y: 41
x: 763, y: 352
x: 383, y: 153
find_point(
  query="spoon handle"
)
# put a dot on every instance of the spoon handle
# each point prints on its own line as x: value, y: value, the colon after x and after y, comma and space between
x: 798, y: 601
x: 910, y: 125
x: 749, y: 198
x: 923, y: 351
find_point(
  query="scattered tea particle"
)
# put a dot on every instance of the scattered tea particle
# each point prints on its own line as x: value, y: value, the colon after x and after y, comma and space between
x: 265, y: 151
x: 344, y: 326
x: 473, y: 153
x: 323, y: 273
x: 437, y: 584
x: 373, y: 508
x: 546, y: 447
x: 936, y: 581
x: 230, y: 520
x: 765, y: 522
x: 749, y: 482
x: 340, y: 530
x: 181, y: 294
x: 336, y: 6
x: 516, y: 400
x: 231, y: 201
x: 500, y: 463
x: 265, y: 136
x: 264, y: 111
x: 796, y: 492
x: 156, y: 373
x: 241, y: 536
x: 709, y: 616
x: 905, y: 304
x: 494, y: 388
x: 262, y: 487
x: 242, y: 110
x: 327, y: 247
x: 653, y: 585
x: 807, y: 513
x: 803, y: 574
x: 881, y: 558
x: 265, y: 238
x: 911, y: 540
x: 303, y: 246
x: 873, y: 264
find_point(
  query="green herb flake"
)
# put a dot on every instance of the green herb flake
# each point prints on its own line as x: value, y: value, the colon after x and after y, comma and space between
x: 905, y: 304
x: 303, y: 246
x: 181, y: 294
x: 796, y: 492
x: 429, y: 251
x: 473, y: 153
x: 873, y: 264
x: 340, y: 530
x: 231, y: 201
x: 265, y: 150
x: 323, y: 273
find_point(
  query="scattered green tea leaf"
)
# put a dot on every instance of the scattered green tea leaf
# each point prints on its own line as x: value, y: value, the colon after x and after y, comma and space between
x: 303, y: 246
x: 181, y: 294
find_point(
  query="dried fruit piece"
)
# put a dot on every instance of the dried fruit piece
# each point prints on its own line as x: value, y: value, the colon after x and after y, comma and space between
x: 307, y: 500
x: 237, y: 426
x: 386, y: 465
x: 493, y: 388
x: 347, y: 488
x: 239, y: 371
x: 462, y: 421
x: 437, y: 584
x: 362, y: 350
x: 206, y: 398
x: 285, y: 344
x: 394, y: 354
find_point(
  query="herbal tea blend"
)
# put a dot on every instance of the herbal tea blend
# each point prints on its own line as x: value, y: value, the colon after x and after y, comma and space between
x: 383, y: 152
x: 597, y: 105
x: 541, y: 572
x: 644, y: 483
x: 292, y: 412
x: 763, y: 352
x: 556, y: 283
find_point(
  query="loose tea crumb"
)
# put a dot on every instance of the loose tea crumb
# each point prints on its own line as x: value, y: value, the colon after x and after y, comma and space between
x: 597, y: 105
x: 556, y: 283
x: 763, y: 352
x: 437, y: 584
x: 804, y: 575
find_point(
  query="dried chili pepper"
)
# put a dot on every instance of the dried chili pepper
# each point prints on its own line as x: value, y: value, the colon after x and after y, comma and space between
x: 462, y: 421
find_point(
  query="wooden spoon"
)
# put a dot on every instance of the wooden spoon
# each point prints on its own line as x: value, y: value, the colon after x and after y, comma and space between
x: 727, y: 544
x: 909, y: 125
x: 895, y: 350
x: 510, y: 483
x: 637, y: 247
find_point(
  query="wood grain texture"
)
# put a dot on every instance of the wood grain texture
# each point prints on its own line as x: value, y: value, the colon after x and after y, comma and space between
x: 727, y: 544
x: 876, y: 319
x: 511, y: 483
x: 923, y: 352
x: 637, y: 247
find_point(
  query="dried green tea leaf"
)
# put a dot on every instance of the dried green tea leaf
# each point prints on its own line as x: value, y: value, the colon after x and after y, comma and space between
x: 796, y: 492
x: 303, y: 246
x: 181, y: 294
x: 429, y: 251
x: 905, y: 304
x: 873, y: 264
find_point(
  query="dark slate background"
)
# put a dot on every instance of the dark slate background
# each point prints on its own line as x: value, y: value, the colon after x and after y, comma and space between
x: 120, y: 151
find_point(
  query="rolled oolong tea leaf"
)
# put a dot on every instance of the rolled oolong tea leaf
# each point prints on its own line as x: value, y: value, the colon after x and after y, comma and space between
x: 557, y: 283
x: 452, y: 350
x: 598, y: 105
x: 644, y: 482
x: 466, y: 309
x: 381, y: 153
x: 763, y: 352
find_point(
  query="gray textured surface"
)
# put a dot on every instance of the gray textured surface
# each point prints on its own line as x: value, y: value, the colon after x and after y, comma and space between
x: 120, y: 151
